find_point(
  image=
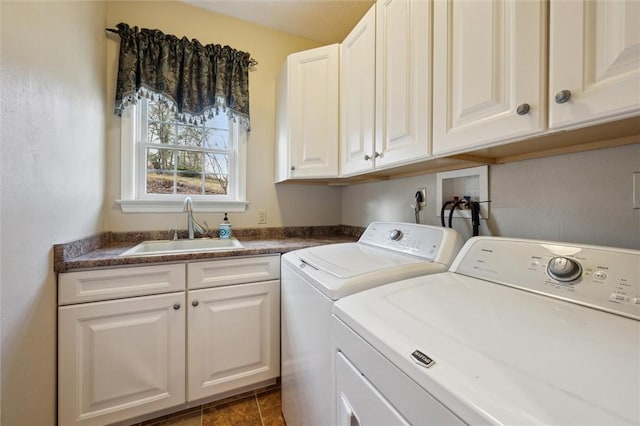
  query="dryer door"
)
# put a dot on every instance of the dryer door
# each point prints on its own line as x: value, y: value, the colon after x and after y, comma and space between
x: 359, y: 403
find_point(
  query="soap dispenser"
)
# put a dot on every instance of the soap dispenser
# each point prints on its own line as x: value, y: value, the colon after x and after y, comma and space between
x: 225, y: 228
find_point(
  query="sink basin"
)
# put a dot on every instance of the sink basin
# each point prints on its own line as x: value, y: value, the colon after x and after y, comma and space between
x: 183, y: 246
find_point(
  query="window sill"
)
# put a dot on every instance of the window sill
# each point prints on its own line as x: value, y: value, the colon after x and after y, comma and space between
x: 176, y: 206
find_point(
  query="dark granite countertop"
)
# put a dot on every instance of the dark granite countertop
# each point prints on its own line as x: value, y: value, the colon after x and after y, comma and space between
x: 103, y: 250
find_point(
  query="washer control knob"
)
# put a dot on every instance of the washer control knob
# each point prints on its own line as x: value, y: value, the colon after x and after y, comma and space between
x: 564, y: 269
x: 395, y: 234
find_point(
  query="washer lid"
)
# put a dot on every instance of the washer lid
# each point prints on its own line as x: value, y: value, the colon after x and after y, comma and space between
x: 504, y: 355
x: 338, y: 270
x: 350, y: 260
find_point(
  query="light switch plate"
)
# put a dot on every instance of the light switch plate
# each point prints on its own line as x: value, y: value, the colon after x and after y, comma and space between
x: 636, y: 190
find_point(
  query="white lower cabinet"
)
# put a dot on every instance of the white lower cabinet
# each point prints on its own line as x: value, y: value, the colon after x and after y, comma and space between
x: 234, y: 335
x: 120, y: 359
x: 130, y: 357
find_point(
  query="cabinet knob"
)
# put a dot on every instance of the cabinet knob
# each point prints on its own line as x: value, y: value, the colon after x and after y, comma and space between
x: 195, y: 303
x: 563, y: 96
x: 523, y: 109
x: 293, y: 168
x: 367, y: 157
x: 376, y: 155
x: 176, y: 306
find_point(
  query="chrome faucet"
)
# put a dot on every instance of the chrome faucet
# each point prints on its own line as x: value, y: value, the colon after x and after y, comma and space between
x: 192, y: 225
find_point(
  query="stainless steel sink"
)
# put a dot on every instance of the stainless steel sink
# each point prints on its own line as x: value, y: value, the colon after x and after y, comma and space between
x: 146, y: 248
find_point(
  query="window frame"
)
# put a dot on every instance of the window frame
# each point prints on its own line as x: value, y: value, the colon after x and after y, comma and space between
x: 133, y: 168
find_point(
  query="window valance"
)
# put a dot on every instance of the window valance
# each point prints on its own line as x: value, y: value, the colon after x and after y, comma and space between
x: 196, y: 80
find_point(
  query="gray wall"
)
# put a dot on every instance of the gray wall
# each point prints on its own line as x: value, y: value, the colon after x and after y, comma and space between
x: 583, y: 197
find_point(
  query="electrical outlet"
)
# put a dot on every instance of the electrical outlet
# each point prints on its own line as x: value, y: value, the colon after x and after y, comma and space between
x: 424, y: 196
x: 262, y: 217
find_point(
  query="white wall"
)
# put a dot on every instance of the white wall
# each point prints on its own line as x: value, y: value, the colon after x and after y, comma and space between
x: 582, y: 197
x: 53, y: 176
x: 286, y: 205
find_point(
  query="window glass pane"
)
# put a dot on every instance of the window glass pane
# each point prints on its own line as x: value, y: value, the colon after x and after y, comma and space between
x: 215, y: 184
x: 161, y: 132
x: 189, y: 182
x: 189, y: 135
x: 185, y: 164
x: 217, y: 139
x: 216, y: 173
x: 160, y: 171
x: 219, y: 121
x: 161, y: 123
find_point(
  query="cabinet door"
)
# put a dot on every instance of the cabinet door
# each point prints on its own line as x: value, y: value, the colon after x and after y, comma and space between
x: 120, y: 359
x: 313, y: 112
x: 357, y: 96
x: 594, y: 54
x: 403, y: 32
x: 489, y: 65
x: 234, y: 337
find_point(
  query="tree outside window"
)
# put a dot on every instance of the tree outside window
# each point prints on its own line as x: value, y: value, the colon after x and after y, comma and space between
x: 185, y: 158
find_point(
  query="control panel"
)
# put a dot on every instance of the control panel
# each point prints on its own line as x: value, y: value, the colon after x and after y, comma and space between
x: 429, y: 242
x: 600, y: 277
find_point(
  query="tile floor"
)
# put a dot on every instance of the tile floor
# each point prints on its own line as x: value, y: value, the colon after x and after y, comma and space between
x: 256, y: 408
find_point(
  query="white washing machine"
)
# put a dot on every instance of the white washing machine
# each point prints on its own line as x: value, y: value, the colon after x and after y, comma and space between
x: 312, y: 279
x: 518, y: 332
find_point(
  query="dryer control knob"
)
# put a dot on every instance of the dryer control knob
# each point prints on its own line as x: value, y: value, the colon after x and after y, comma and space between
x: 395, y: 234
x: 564, y: 269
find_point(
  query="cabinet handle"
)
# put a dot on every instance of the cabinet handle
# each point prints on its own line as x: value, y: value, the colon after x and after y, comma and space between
x: 194, y: 303
x: 523, y: 109
x: 367, y: 157
x: 176, y: 306
x: 563, y: 96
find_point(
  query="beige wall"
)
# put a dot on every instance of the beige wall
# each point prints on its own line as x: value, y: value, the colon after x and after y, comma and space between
x: 59, y: 174
x: 53, y: 178
x: 286, y: 205
x: 583, y: 197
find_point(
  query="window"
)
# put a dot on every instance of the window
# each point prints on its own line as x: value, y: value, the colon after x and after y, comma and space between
x: 165, y: 160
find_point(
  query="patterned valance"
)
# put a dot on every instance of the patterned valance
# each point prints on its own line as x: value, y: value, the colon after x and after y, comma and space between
x: 196, y: 80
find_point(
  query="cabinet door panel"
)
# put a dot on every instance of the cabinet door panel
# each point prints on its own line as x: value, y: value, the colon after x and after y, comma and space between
x: 313, y: 113
x: 594, y: 53
x: 357, y: 97
x: 234, y: 337
x: 120, y: 359
x: 489, y: 58
x: 109, y: 284
x: 242, y: 270
x: 402, y: 81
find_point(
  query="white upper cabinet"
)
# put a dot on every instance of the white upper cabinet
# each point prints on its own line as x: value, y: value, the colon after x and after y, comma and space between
x: 594, y: 58
x: 489, y: 72
x: 307, y: 115
x: 357, y: 97
x: 403, y: 44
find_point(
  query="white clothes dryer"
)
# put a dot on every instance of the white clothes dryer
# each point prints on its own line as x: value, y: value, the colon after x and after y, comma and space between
x: 313, y: 279
x: 517, y: 332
